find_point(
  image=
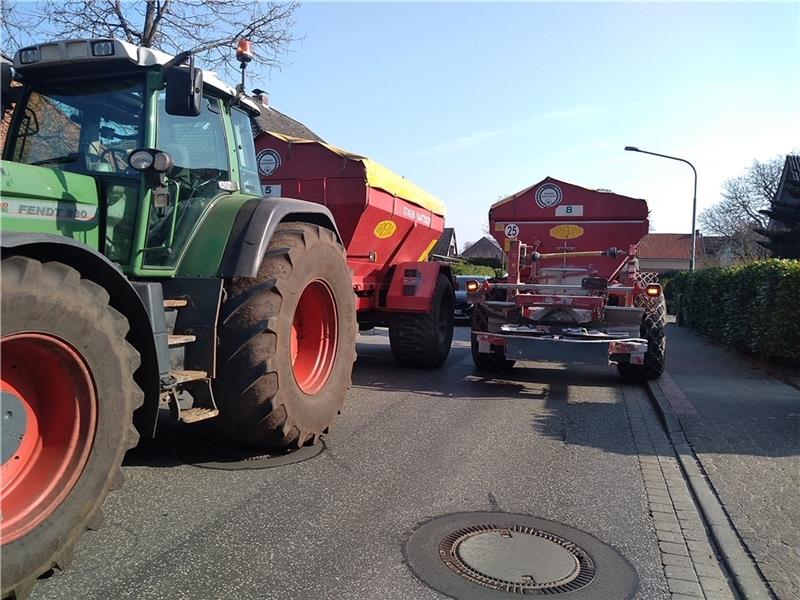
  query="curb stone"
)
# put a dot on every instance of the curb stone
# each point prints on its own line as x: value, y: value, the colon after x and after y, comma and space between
x: 745, y: 575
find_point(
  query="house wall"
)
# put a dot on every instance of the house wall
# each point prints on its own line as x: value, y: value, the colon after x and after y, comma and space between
x: 660, y: 265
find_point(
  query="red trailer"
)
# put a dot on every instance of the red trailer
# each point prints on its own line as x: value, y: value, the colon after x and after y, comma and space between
x: 574, y: 292
x: 388, y: 226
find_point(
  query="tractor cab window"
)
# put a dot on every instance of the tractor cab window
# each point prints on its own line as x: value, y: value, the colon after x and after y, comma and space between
x: 246, y: 152
x: 88, y: 127
x: 84, y: 127
x: 199, y: 152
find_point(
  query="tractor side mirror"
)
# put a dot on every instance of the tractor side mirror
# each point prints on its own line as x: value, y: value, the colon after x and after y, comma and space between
x: 184, y: 91
x: 8, y: 94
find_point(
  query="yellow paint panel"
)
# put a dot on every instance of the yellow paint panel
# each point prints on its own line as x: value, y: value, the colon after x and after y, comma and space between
x: 385, y: 229
x: 566, y: 232
x: 424, y: 256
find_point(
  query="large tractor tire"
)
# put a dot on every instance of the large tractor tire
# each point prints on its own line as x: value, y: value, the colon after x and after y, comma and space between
x: 287, y: 341
x: 494, y: 361
x: 68, y: 398
x: 654, y: 330
x: 423, y: 340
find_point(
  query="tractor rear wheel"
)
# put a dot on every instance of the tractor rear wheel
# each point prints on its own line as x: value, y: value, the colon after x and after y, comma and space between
x: 68, y: 398
x: 487, y: 361
x: 424, y: 339
x: 287, y: 341
x: 654, y: 330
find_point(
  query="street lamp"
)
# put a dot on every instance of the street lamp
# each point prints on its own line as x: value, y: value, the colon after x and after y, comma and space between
x: 694, y: 198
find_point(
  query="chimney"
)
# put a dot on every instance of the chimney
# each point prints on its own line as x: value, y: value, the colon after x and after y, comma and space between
x: 261, y: 97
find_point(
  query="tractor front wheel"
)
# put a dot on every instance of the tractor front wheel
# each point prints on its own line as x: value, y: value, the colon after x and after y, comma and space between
x: 424, y: 339
x: 287, y: 341
x: 654, y: 330
x: 68, y: 398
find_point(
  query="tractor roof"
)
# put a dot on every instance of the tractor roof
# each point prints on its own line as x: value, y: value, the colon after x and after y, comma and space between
x: 84, y: 52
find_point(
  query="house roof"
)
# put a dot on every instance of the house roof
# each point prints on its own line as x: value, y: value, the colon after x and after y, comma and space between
x: 447, y: 239
x: 274, y: 120
x: 486, y: 247
x: 668, y: 246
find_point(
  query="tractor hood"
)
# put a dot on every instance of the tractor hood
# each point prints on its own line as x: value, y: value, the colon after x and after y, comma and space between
x: 47, y: 195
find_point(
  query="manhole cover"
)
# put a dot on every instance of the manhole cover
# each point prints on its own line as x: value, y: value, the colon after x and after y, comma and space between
x: 471, y: 556
x: 212, y: 453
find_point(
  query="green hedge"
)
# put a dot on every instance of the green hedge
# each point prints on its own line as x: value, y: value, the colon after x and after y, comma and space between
x: 466, y: 268
x: 754, y: 307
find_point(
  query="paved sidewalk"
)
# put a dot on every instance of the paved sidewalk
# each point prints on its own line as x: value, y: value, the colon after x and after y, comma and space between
x: 744, y: 428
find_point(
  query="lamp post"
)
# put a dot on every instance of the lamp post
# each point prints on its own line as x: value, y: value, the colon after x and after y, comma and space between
x: 694, y: 197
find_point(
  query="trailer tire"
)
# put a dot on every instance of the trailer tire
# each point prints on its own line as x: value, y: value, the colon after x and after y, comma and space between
x: 63, y: 346
x: 423, y: 340
x: 287, y: 341
x: 654, y: 330
x: 494, y: 361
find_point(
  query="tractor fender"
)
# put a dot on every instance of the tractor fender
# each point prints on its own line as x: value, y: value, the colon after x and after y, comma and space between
x: 413, y: 285
x: 97, y: 268
x: 256, y: 222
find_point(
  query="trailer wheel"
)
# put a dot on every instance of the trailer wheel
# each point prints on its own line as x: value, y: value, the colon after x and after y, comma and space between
x: 424, y: 339
x: 495, y: 360
x: 67, y: 398
x: 654, y: 330
x: 287, y: 341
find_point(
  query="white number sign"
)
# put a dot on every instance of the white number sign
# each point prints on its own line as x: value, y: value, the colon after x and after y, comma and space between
x: 512, y: 230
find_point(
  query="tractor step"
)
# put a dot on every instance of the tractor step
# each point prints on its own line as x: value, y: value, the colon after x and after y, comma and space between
x: 193, y: 415
x: 187, y: 376
x: 179, y: 340
x: 175, y: 303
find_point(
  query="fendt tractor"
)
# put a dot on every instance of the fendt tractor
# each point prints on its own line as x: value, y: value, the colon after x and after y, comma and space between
x: 142, y: 267
x: 574, y: 292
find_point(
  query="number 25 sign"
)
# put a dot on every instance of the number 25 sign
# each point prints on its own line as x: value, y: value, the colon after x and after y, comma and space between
x: 512, y: 230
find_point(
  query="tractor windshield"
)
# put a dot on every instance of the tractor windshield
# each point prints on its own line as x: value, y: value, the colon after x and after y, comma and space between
x: 84, y: 127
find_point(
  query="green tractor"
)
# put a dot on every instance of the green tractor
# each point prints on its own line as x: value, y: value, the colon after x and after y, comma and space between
x: 141, y: 269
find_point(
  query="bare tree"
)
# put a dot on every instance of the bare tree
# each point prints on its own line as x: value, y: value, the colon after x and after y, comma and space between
x: 210, y: 28
x: 737, y: 214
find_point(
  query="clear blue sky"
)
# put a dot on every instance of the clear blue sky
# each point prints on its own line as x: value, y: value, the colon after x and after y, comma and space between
x: 477, y: 101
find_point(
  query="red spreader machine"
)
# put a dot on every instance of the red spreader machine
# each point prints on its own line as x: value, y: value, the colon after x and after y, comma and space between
x: 388, y: 226
x: 574, y: 292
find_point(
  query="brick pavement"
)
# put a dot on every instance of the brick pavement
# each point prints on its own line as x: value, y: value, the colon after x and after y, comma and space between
x: 746, y: 436
x: 690, y: 564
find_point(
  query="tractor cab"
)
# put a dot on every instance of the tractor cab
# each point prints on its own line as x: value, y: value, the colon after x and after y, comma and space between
x: 84, y: 108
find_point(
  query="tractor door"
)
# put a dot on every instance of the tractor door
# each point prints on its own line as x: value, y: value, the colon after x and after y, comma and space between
x: 200, y: 175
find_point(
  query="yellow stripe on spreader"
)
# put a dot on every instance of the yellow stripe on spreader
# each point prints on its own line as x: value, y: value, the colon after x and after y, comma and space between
x: 424, y: 256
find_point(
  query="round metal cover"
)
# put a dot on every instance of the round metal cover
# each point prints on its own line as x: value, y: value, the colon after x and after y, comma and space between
x: 212, y: 453
x: 485, y: 555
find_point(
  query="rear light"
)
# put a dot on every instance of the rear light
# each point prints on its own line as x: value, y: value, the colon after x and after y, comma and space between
x: 472, y: 286
x: 653, y: 290
x: 103, y: 48
x: 28, y: 56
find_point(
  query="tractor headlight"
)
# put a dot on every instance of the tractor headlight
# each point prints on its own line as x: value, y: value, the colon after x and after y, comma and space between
x: 103, y: 48
x: 29, y: 56
x: 162, y: 162
x: 141, y: 160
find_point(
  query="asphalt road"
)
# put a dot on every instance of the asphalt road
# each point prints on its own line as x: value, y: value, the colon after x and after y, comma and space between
x: 547, y: 441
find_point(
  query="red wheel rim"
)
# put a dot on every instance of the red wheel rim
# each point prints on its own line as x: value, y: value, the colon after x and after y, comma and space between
x: 48, y: 381
x: 314, y: 337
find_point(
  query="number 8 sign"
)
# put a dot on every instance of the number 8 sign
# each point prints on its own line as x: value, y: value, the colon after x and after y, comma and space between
x: 512, y: 230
